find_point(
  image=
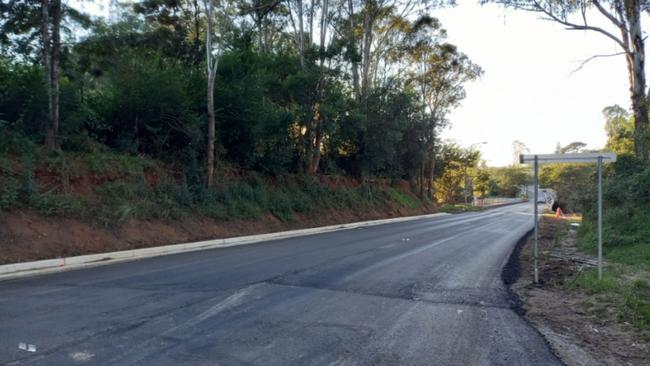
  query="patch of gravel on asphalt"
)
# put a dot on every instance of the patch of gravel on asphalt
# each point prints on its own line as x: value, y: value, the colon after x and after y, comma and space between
x: 575, y: 334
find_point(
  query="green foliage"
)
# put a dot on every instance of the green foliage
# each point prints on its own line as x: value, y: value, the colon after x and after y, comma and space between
x: 138, y: 86
x: 627, y: 296
x: 121, y: 165
x: 508, y: 181
x: 133, y: 114
x: 626, y: 213
x: 280, y: 205
x: 482, y: 182
x: 9, y: 185
x: 50, y: 204
x: 637, y: 299
x: 23, y: 104
x: 619, y: 126
x: 572, y: 183
x: 458, y: 208
x: 403, y: 199
x: 588, y: 280
x: 457, y: 165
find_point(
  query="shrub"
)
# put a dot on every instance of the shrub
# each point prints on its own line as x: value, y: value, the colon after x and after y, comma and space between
x: 280, y: 206
x: 58, y: 204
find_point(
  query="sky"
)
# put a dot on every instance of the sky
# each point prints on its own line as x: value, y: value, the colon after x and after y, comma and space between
x: 529, y: 91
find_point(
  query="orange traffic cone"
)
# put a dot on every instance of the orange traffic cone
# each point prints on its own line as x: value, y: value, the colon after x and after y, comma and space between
x: 559, y: 213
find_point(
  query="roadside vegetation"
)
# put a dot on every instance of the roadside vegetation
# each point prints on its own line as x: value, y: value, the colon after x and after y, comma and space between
x: 586, y: 320
x: 113, y: 188
x: 168, y: 110
x: 623, y: 295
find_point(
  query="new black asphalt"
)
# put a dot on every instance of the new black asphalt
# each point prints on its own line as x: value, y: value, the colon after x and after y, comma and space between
x: 422, y: 292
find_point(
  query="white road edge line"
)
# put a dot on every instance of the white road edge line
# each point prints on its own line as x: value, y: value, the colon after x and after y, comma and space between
x: 25, y: 269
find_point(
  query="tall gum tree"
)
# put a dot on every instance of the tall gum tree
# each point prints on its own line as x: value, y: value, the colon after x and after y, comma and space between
x: 624, y: 20
x: 438, y: 72
x: 32, y: 30
x: 213, y: 53
x: 320, y: 14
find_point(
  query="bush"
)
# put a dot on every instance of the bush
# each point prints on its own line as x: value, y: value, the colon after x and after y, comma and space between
x: 281, y: 206
x: 637, y: 299
x: 58, y: 205
x: 9, y: 185
x: 402, y: 198
x: 626, y: 214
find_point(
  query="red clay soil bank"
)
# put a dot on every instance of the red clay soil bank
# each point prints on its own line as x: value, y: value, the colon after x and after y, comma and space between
x: 26, y: 236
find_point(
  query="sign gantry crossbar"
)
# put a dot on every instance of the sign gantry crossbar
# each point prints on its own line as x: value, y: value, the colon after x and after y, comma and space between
x: 598, y: 158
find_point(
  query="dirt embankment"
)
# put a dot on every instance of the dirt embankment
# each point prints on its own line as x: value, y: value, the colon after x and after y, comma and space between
x: 581, y: 327
x: 26, y: 235
x: 71, y: 204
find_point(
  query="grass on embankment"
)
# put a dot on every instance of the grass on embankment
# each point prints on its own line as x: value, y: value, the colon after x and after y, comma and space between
x: 112, y: 188
x: 624, y: 290
x: 459, y: 208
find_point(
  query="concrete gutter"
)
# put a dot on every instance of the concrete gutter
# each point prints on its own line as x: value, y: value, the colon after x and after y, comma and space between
x: 25, y: 269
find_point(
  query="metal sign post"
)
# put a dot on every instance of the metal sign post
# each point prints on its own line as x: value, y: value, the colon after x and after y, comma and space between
x: 598, y: 158
x: 535, y: 195
x: 600, y: 217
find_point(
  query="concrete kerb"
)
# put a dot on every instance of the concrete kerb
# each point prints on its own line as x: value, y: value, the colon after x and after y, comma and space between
x: 25, y: 269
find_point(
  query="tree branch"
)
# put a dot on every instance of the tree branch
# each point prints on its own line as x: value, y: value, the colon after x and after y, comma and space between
x: 574, y: 26
x: 608, y: 15
x: 583, y: 63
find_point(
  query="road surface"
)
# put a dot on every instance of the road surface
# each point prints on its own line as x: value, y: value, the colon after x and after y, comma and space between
x: 423, y: 292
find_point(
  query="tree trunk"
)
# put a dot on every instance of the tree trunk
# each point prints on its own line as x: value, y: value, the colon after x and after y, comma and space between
x: 367, y: 43
x: 301, y: 35
x: 352, y: 45
x: 197, y: 35
x: 211, y: 133
x: 311, y: 22
x: 432, y: 163
x: 211, y: 70
x: 421, y: 179
x: 636, y: 70
x: 47, y: 64
x: 52, y: 139
x: 312, y: 164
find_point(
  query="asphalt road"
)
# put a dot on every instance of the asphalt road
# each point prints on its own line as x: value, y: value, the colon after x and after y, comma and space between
x: 423, y: 292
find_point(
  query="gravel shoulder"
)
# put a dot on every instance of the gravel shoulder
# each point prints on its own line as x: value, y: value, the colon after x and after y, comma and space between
x: 583, y: 327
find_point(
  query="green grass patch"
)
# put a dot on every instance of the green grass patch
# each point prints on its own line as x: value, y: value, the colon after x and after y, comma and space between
x: 134, y: 186
x: 588, y: 280
x: 49, y: 204
x: 403, y: 199
x: 449, y: 208
x: 626, y: 236
x: 637, y: 300
x: 620, y: 290
x: 113, y: 164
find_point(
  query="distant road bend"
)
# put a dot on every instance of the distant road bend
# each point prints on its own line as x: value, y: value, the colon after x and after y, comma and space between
x: 422, y: 292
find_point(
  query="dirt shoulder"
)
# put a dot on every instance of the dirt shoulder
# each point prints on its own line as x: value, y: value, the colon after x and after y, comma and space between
x: 26, y: 235
x: 583, y: 323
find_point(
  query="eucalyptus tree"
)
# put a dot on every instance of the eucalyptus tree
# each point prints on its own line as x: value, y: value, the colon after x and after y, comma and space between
x: 455, y: 164
x: 381, y: 27
x: 181, y: 22
x: 518, y: 148
x: 439, y: 72
x: 623, y: 27
x: 314, y: 44
x: 213, y: 53
x: 269, y: 19
x: 29, y: 29
x: 619, y: 127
